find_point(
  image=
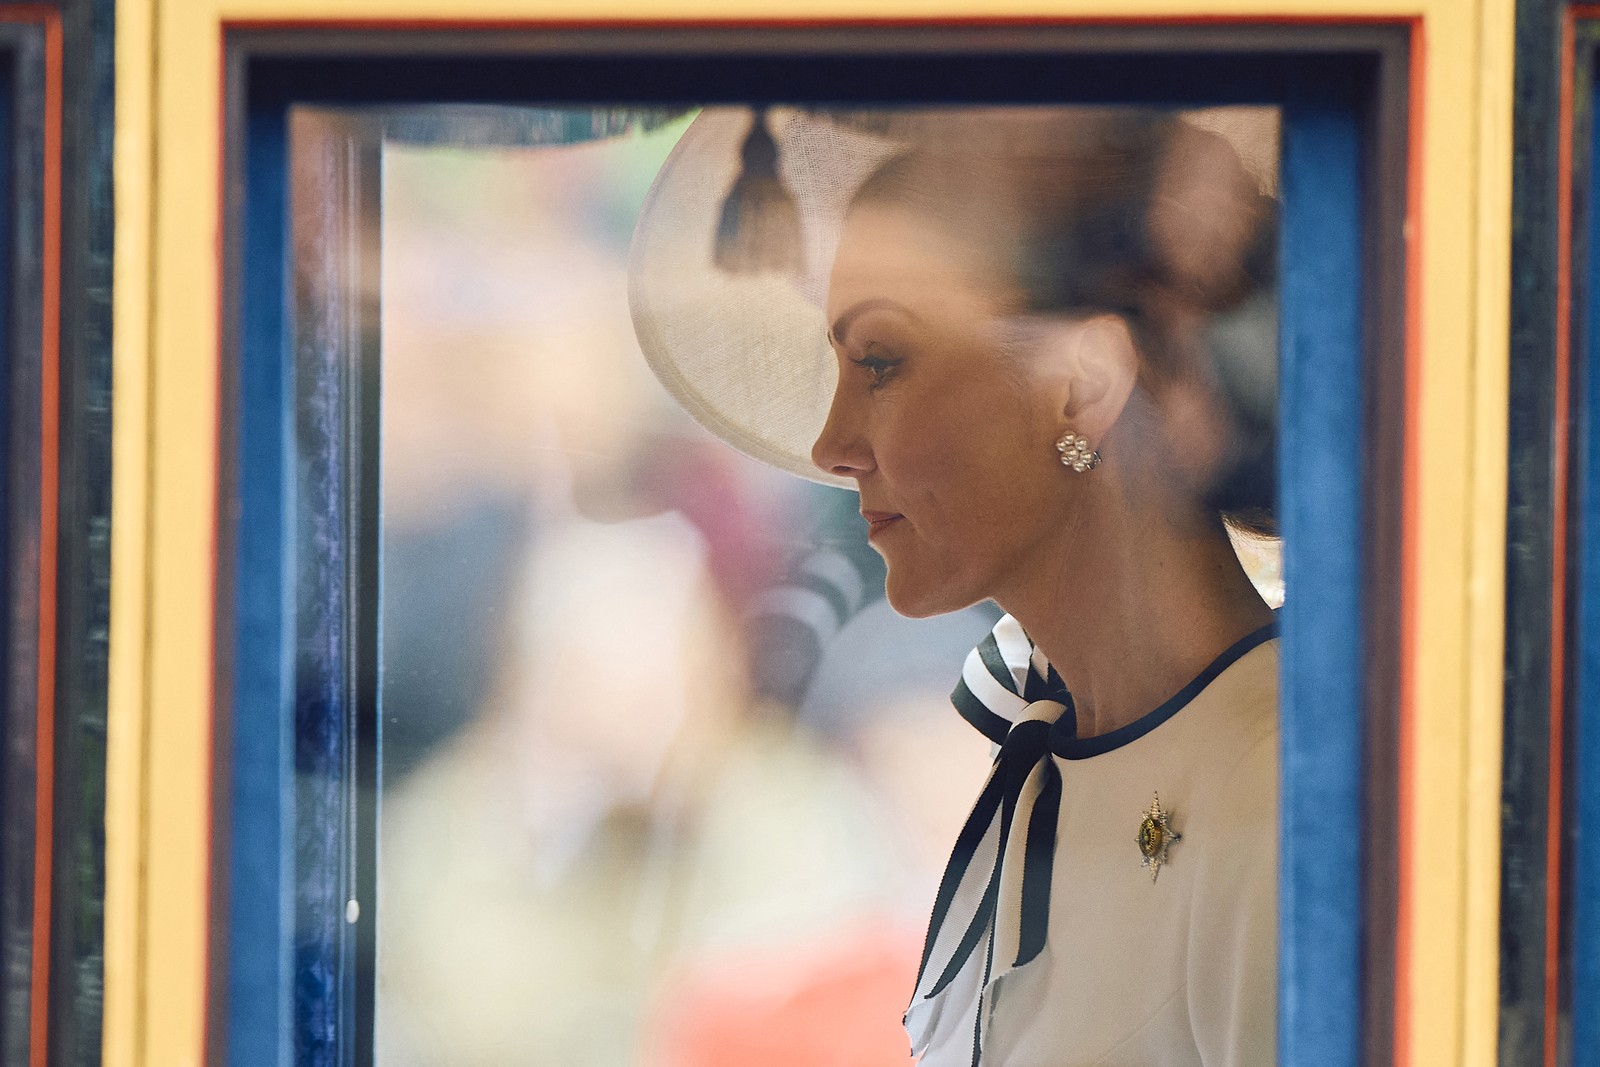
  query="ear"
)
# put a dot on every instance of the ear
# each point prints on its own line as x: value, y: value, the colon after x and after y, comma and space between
x: 1100, y: 365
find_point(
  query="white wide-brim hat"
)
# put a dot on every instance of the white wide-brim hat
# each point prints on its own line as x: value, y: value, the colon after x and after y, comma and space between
x: 746, y: 352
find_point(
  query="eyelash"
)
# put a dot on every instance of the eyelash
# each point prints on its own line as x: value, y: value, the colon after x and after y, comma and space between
x: 879, y: 367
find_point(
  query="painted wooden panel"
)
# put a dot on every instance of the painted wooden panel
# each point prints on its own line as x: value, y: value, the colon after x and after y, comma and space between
x: 159, y: 853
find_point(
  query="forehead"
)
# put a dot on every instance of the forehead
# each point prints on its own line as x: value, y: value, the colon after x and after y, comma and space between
x: 891, y: 254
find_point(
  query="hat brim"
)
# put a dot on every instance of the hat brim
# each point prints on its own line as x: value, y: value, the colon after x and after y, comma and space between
x: 747, y: 355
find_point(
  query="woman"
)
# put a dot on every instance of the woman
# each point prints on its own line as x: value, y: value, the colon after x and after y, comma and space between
x: 1046, y: 327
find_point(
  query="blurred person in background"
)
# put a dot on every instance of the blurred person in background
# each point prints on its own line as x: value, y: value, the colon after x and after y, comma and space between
x: 600, y: 627
x: 829, y: 992
x: 641, y: 819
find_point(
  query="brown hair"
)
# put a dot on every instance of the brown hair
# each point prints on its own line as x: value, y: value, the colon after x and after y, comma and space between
x: 1131, y: 211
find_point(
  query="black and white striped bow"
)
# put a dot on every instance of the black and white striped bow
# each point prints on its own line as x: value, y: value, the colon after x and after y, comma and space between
x: 993, y: 909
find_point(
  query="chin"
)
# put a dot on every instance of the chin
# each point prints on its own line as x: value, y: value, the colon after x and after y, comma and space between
x: 920, y: 600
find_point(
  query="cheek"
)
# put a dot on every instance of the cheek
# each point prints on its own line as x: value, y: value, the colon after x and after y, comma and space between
x: 971, y: 466
x: 936, y: 451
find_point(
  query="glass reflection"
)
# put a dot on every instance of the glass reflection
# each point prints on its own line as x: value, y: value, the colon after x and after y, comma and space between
x: 666, y: 780
x: 639, y: 804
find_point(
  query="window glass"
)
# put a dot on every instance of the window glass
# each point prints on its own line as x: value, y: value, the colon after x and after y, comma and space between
x: 622, y: 780
x: 665, y: 778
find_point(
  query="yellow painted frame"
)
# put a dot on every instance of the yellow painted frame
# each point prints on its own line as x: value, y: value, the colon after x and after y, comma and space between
x: 168, y: 152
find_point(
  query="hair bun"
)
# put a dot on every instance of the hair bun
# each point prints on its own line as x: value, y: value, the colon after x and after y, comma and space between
x: 1243, y: 347
x: 1208, y: 221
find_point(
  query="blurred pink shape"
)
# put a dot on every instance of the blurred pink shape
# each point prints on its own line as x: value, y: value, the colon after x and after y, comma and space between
x: 836, y: 1001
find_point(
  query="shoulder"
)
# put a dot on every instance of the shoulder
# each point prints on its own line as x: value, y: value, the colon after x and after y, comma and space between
x: 1237, y: 803
x: 1232, y: 949
x: 1240, y: 711
x: 1249, y: 687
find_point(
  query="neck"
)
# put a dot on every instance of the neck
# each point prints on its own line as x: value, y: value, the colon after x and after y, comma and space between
x: 1130, y: 606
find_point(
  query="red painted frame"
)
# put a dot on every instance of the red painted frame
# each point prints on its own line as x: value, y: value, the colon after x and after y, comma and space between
x: 1561, y: 490
x: 49, y: 19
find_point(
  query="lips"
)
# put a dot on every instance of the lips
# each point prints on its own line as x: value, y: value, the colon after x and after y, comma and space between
x: 878, y: 521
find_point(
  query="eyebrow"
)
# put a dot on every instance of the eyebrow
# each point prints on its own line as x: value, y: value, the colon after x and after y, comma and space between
x: 842, y: 324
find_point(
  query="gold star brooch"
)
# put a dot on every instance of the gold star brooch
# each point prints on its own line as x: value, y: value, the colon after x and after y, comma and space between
x: 1156, y: 835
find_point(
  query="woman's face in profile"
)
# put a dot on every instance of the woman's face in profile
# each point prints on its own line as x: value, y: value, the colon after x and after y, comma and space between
x: 948, y: 434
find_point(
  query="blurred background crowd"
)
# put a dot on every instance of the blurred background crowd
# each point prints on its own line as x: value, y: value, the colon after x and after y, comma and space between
x: 665, y: 781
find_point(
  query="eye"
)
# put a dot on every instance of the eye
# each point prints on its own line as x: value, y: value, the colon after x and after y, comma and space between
x: 877, y: 361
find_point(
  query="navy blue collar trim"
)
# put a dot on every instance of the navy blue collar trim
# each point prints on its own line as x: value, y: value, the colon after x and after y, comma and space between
x: 1065, y: 743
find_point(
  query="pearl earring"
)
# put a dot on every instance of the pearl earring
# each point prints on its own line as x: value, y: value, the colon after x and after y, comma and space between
x: 1076, y: 453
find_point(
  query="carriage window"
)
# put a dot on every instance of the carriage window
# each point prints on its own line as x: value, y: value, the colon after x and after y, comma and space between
x: 655, y: 752
x: 799, y: 583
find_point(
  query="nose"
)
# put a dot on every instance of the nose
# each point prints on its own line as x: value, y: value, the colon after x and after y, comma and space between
x: 841, y: 449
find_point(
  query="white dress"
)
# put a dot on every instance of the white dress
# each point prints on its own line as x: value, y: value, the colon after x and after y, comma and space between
x: 1062, y: 950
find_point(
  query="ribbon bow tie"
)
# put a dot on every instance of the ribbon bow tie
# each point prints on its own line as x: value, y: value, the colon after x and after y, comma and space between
x: 995, y: 893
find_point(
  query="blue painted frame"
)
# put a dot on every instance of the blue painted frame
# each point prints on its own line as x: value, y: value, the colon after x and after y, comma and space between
x: 303, y: 662
x: 1321, y: 512
x: 1582, y: 802
x: 1325, y: 403
x: 261, y: 808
